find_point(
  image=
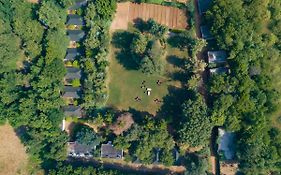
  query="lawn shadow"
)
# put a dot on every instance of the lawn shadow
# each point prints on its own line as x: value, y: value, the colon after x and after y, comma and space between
x: 172, y: 102
x: 138, y: 116
x: 122, y: 41
x: 178, y: 76
x: 175, y: 61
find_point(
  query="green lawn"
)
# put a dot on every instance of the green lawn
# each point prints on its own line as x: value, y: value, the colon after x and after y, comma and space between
x: 125, y: 82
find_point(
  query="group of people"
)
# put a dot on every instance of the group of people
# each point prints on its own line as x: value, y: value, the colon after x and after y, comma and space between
x: 143, y: 86
x: 157, y: 101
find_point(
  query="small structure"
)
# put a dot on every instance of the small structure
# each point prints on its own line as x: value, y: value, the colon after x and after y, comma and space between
x: 108, y: 151
x: 71, y: 92
x: 148, y: 90
x: 123, y: 123
x: 219, y: 70
x: 76, y: 35
x: 217, y: 56
x: 71, y: 54
x: 227, y: 144
x: 73, y: 19
x: 75, y: 149
x: 78, y: 4
x: 206, y: 32
x: 72, y: 73
x: 72, y: 111
x: 204, y: 5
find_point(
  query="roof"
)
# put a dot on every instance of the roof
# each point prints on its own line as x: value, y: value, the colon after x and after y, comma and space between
x: 71, y: 54
x: 73, y: 19
x: 219, y: 70
x: 73, y: 73
x: 206, y: 32
x: 108, y: 151
x: 72, y: 92
x: 78, y: 4
x: 227, y: 144
x: 72, y: 111
x: 204, y: 5
x: 217, y: 56
x: 75, y: 35
x: 76, y: 149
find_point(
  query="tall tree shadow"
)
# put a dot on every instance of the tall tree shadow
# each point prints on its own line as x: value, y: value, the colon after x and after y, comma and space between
x: 175, y: 61
x: 172, y: 102
x: 122, y: 41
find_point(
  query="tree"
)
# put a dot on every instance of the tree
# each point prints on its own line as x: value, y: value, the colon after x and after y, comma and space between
x: 9, y: 48
x: 195, y: 127
x: 139, y: 44
x: 105, y: 8
x: 52, y: 15
x: 156, y: 29
x: 56, y: 44
x: 76, y: 83
x: 87, y: 136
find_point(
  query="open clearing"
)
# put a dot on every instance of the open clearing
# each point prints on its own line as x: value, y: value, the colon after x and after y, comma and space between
x: 33, y: 1
x: 13, y: 159
x: 125, y: 82
x: 130, y: 12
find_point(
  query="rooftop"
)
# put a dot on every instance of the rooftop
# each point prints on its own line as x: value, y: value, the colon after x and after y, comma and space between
x: 72, y: 73
x: 72, y: 111
x: 71, y: 54
x: 108, y: 151
x: 75, y: 35
x: 227, y: 144
x: 73, y: 19
x: 206, y: 32
x: 72, y: 92
x: 75, y: 149
x: 217, y: 56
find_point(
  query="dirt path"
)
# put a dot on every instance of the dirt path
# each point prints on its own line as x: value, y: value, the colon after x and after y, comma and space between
x: 202, y: 88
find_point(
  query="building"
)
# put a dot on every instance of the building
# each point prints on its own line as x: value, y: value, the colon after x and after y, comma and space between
x: 73, y: 19
x: 219, y: 70
x: 226, y: 144
x: 72, y: 111
x: 217, y: 56
x: 78, y: 4
x: 108, y: 151
x: 74, y: 149
x: 75, y: 35
x: 204, y: 5
x: 206, y: 32
x: 72, y: 73
x: 71, y: 54
x: 71, y: 92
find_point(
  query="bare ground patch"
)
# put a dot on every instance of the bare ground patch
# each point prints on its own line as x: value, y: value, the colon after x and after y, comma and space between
x: 130, y: 12
x: 13, y: 158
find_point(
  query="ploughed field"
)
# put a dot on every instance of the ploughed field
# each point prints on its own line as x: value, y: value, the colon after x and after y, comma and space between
x: 130, y: 12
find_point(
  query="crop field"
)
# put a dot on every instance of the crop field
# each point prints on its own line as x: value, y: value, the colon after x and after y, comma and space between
x: 13, y: 159
x: 130, y: 12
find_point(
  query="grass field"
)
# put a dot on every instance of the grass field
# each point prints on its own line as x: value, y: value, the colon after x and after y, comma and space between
x: 125, y: 82
x: 13, y: 159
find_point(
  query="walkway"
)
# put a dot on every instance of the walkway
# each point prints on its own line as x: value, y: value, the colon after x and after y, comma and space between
x: 202, y: 88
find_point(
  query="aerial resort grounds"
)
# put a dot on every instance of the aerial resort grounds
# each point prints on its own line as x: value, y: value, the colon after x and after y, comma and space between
x: 131, y: 88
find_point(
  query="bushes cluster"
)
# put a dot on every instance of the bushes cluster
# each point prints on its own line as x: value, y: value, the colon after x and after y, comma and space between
x: 30, y: 95
x: 148, y: 47
x: 98, y: 17
x: 245, y: 100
